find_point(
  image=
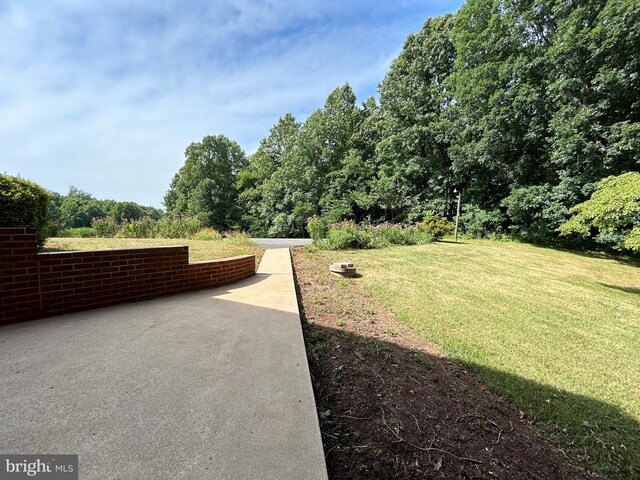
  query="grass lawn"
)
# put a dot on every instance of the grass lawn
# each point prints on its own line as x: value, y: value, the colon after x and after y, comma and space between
x: 198, y: 249
x: 555, y: 333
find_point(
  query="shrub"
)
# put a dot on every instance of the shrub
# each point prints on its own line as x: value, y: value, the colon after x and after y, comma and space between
x: 147, y: 227
x: 80, y: 232
x: 391, y: 234
x: 144, y: 227
x: 207, y: 234
x: 105, y: 227
x: 348, y: 234
x: 420, y: 236
x: 480, y: 223
x: 317, y: 228
x: 178, y: 226
x: 438, y: 227
x: 23, y: 204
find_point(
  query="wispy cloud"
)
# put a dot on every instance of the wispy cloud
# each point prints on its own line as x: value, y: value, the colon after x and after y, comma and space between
x: 106, y: 96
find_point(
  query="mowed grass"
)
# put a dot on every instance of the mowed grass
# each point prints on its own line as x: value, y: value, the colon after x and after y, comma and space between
x: 198, y: 249
x: 555, y: 333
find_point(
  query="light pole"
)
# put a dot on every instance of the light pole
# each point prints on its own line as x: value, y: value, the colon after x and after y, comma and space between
x: 455, y: 233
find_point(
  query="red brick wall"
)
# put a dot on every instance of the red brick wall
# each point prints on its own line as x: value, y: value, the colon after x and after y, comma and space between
x: 34, y: 285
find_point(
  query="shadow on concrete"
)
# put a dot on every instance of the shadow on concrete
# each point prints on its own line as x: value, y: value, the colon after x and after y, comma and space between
x: 188, y: 386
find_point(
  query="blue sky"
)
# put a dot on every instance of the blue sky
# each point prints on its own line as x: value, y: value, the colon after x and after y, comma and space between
x: 106, y: 95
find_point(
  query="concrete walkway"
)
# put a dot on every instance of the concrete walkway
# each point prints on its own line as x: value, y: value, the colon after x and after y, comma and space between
x: 206, y: 385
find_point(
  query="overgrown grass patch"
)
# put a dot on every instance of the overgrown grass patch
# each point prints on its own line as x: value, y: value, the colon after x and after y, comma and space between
x: 556, y: 333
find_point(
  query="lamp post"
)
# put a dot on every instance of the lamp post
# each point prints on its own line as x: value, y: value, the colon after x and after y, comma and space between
x: 455, y: 234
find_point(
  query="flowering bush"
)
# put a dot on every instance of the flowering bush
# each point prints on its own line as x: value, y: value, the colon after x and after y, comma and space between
x: 348, y: 234
x: 105, y: 227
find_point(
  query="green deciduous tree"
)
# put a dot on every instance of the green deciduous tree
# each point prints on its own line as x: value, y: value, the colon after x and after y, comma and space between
x: 523, y: 105
x: 79, y: 208
x: 613, y: 209
x: 206, y: 184
x: 255, y: 182
x: 415, y: 174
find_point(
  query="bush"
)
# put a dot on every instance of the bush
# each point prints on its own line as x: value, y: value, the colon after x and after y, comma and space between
x: 390, y: 234
x: 144, y: 227
x: 207, y: 234
x: 317, y: 228
x: 80, y: 232
x: 438, y: 227
x: 479, y: 223
x: 147, y: 227
x: 349, y: 235
x: 106, y: 227
x: 23, y: 204
x: 178, y: 226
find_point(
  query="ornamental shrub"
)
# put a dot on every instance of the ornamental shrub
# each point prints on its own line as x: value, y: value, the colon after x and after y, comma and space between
x: 23, y: 204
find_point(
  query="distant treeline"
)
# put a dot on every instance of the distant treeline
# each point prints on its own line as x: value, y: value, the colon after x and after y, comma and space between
x: 78, y: 208
x: 521, y: 105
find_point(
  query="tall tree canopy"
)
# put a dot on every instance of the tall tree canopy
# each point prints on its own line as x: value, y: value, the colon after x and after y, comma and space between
x: 522, y: 105
x: 206, y: 184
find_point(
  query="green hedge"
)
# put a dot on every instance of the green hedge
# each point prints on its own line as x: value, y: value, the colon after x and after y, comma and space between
x: 23, y: 204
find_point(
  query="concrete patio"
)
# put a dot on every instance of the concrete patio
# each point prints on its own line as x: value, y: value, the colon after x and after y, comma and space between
x: 212, y: 384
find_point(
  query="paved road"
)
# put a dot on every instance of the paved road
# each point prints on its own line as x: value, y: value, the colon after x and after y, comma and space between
x: 207, y: 385
x: 281, y: 242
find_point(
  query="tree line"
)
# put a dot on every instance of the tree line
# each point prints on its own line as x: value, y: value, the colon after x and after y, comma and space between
x: 521, y: 105
x: 529, y: 108
x: 78, y: 209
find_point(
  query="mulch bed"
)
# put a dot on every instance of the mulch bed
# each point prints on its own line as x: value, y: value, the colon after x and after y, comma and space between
x: 390, y: 406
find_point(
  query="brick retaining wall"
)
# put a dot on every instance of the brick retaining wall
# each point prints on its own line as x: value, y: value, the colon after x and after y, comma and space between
x: 35, y: 285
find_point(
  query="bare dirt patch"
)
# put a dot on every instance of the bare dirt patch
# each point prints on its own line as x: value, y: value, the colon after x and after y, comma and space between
x: 390, y: 406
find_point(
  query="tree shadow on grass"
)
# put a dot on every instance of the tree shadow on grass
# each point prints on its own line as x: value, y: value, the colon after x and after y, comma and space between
x: 632, y: 290
x: 451, y: 241
x: 391, y: 407
x: 391, y: 411
x: 630, y: 260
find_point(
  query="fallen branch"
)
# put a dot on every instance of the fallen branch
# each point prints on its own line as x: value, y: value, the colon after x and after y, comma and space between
x: 425, y: 449
x: 414, y: 417
x: 528, y: 471
x: 355, y: 418
x: 379, y: 376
